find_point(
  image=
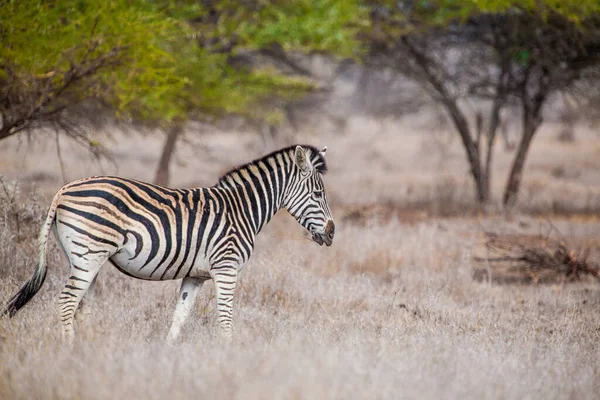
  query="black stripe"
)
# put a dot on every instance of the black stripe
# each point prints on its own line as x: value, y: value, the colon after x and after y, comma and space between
x: 80, y: 269
x: 93, y: 217
x: 193, y: 211
x: 218, y: 216
x: 202, y: 226
x: 77, y: 279
x: 236, y: 203
x: 91, y: 236
x: 128, y: 212
x: 179, y: 238
x: 240, y: 216
x: 178, y: 212
x: 160, y: 213
x: 267, y: 200
x: 117, y: 266
x: 262, y: 200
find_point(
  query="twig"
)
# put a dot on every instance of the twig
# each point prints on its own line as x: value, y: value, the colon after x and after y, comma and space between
x: 60, y: 159
x: 392, y: 304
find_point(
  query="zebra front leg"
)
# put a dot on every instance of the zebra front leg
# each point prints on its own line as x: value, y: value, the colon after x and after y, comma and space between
x: 187, y: 297
x: 225, y: 279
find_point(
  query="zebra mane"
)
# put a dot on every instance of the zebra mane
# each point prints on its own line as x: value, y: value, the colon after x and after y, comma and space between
x: 314, y: 154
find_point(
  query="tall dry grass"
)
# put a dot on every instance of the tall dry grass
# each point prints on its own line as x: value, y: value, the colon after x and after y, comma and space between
x: 390, y: 311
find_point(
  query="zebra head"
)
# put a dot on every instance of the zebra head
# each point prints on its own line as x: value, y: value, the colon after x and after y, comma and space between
x: 306, y: 199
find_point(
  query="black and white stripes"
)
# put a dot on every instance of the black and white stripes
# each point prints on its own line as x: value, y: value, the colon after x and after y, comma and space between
x: 155, y: 233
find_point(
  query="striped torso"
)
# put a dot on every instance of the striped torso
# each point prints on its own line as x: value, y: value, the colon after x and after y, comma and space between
x: 159, y: 233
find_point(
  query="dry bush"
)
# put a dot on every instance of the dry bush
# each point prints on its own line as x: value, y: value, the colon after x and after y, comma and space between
x: 21, y: 217
x: 536, y: 259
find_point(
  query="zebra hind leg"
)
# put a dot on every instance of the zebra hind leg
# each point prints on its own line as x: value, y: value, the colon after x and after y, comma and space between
x: 75, y: 289
x: 185, y: 302
x: 85, y: 306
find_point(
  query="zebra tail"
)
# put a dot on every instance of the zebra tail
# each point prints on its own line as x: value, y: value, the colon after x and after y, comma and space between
x: 33, y: 284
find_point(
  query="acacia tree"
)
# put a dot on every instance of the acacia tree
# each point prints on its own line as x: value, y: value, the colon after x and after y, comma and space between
x: 550, y: 52
x: 157, y: 62
x: 241, y: 46
x: 59, y: 54
x: 494, y: 49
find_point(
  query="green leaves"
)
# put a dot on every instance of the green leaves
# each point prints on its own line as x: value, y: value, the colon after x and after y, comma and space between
x: 522, y: 56
x: 440, y: 13
x: 40, y: 35
x: 57, y: 54
x: 304, y: 25
x: 160, y: 61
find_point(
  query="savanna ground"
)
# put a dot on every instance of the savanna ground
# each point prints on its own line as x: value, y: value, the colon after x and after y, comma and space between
x: 396, y: 308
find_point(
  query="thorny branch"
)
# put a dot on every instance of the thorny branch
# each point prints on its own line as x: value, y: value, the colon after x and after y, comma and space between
x: 33, y: 101
x: 541, y: 258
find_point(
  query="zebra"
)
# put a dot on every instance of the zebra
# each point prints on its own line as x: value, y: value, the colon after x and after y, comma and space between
x: 156, y: 233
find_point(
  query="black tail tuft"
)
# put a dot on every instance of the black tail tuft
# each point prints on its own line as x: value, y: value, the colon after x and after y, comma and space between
x: 26, y: 293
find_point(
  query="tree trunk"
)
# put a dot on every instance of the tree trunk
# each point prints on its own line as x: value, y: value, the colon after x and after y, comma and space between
x: 458, y: 118
x: 497, y: 105
x: 162, y: 172
x: 530, y: 124
x: 532, y: 104
x: 461, y: 125
x: 491, y: 137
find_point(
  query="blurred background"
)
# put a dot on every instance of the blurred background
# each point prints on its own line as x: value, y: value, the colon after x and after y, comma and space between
x: 464, y: 176
x: 442, y: 106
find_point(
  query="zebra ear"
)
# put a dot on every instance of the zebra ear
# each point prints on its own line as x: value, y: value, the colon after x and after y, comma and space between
x: 323, y: 151
x: 302, y: 160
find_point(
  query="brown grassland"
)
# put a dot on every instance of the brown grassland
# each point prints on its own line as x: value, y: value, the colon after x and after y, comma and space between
x: 398, y: 307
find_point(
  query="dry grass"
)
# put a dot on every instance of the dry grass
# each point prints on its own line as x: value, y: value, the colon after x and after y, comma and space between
x: 397, y: 316
x: 391, y: 310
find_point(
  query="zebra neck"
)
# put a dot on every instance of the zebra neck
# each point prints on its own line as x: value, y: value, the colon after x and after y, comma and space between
x: 254, y: 210
x: 257, y: 191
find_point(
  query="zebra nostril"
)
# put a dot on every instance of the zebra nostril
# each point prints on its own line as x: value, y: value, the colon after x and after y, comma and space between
x: 330, y: 229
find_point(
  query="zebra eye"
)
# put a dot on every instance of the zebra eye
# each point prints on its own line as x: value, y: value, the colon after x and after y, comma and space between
x: 318, y: 194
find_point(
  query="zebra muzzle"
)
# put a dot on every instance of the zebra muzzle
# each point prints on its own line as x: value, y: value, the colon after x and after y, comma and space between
x: 325, y: 237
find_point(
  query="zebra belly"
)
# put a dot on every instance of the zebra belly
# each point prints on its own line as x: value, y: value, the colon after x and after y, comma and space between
x: 138, y: 270
x: 141, y: 271
x: 200, y: 270
x: 136, y: 265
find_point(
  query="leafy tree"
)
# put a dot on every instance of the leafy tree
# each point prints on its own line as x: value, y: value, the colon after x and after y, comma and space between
x: 159, y: 62
x: 493, y: 49
x: 245, y: 42
x: 57, y: 54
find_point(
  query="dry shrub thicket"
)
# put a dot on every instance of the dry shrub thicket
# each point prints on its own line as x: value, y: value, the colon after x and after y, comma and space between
x: 391, y: 310
x: 538, y: 258
x: 21, y: 216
